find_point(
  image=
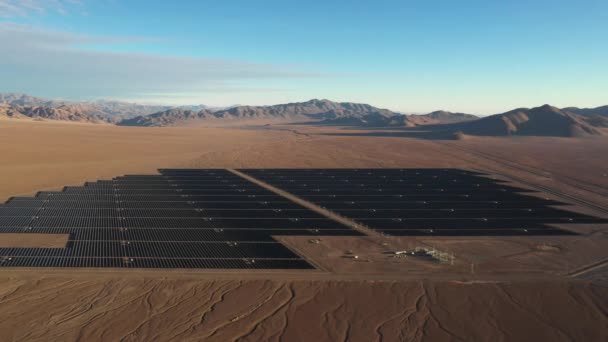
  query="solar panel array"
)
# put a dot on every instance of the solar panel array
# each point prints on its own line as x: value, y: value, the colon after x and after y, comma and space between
x: 211, y: 218
x: 178, y: 219
x: 431, y: 202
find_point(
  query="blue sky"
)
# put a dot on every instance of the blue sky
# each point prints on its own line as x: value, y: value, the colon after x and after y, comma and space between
x: 480, y: 57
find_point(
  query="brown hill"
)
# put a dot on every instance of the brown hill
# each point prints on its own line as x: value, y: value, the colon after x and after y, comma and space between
x: 316, y: 110
x: 17, y: 99
x: 75, y: 113
x: 597, y: 120
x: 12, y: 112
x: 171, y: 117
x: 597, y: 117
x: 118, y: 110
x: 313, y: 109
x: 441, y: 117
x: 375, y: 119
x: 603, y: 110
x: 544, y: 120
x: 108, y: 110
x: 253, y: 112
x: 540, y: 121
x: 390, y: 119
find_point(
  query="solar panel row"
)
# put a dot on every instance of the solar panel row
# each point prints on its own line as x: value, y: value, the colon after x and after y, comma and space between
x: 246, y: 220
x: 198, y: 219
x: 158, y: 249
x: 193, y: 218
x: 213, y: 263
x: 172, y: 235
x: 242, y: 204
x: 425, y: 201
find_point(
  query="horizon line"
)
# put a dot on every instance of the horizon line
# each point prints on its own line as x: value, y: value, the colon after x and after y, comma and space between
x: 176, y: 105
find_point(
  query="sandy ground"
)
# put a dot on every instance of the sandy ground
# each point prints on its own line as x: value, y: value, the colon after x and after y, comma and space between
x: 34, y: 240
x: 38, y: 156
x: 518, y: 289
x: 141, y: 309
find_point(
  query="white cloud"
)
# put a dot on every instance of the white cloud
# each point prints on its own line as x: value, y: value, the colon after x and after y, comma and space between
x: 40, y: 61
x: 20, y: 8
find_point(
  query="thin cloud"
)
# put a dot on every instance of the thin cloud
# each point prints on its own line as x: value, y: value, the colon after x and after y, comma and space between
x: 33, y: 58
x: 21, y: 8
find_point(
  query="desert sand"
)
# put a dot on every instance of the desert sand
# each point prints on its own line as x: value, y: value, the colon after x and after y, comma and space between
x: 34, y: 240
x: 153, y: 309
x: 512, y: 289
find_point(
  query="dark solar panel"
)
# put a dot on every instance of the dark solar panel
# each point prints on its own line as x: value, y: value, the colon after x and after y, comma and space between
x: 126, y: 262
x: 15, y: 221
x: 426, y: 201
x: 8, y: 211
x: 179, y: 219
x: 215, y: 219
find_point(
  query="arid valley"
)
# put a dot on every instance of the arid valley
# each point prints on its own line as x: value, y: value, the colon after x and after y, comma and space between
x: 496, y: 288
x: 303, y: 170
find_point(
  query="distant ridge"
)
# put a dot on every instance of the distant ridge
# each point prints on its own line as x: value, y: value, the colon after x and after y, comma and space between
x: 169, y: 117
x: 597, y: 117
x: 603, y: 110
x: 540, y: 121
x: 315, y: 110
x: 322, y: 112
x: 18, y: 99
x: 74, y: 113
x: 443, y: 117
x: 106, y: 110
x: 390, y: 119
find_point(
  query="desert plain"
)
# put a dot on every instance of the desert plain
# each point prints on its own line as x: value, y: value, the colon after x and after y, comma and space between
x: 495, y: 289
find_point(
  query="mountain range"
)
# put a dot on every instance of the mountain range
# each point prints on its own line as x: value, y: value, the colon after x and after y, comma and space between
x: 313, y: 110
x: 63, y: 112
x: 540, y: 121
x: 109, y: 111
x: 543, y: 121
x: 595, y: 116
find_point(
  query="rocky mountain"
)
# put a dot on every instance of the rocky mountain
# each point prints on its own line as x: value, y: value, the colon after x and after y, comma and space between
x: 597, y: 117
x: 109, y: 110
x: 130, y: 114
x: 374, y: 119
x: 17, y: 99
x: 597, y: 120
x: 545, y: 120
x: 313, y: 110
x: 118, y: 110
x: 390, y: 119
x: 441, y: 117
x: 75, y: 113
x: 11, y: 112
x: 603, y: 111
x: 540, y: 121
x: 171, y: 117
